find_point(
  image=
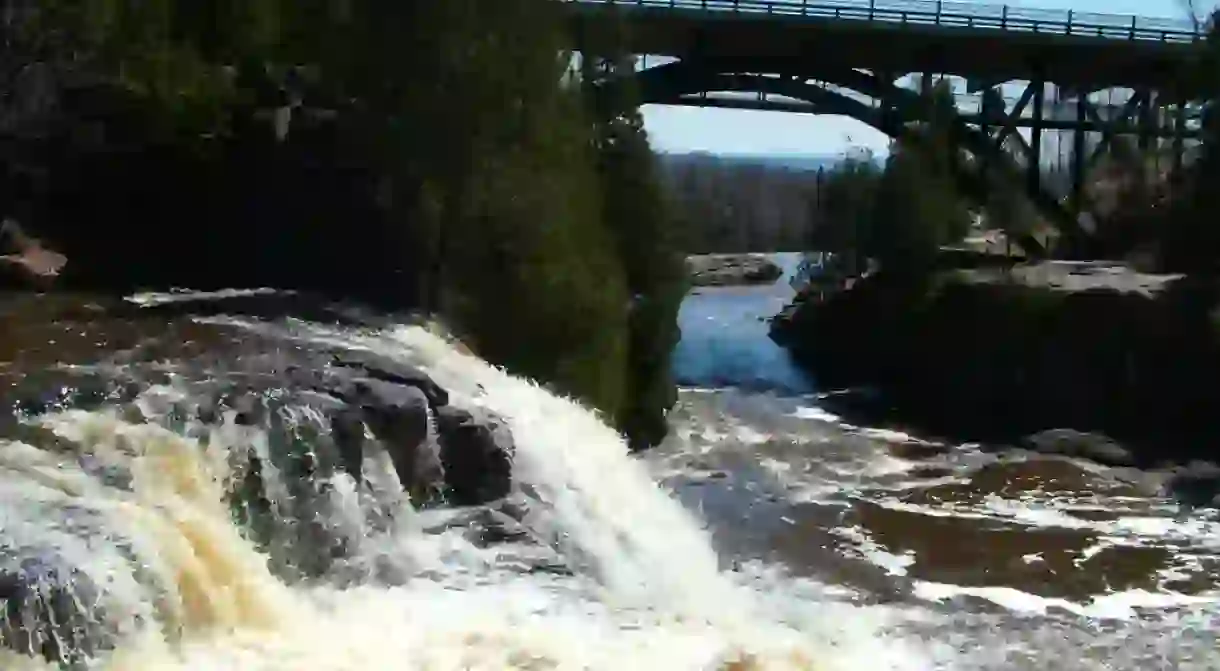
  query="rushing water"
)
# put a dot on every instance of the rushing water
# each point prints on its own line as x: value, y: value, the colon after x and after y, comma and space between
x: 765, y: 534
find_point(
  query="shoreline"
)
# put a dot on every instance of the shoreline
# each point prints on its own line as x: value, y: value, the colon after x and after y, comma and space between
x: 1096, y: 361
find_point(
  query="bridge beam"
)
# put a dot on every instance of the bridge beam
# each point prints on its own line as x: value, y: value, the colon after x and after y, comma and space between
x: 670, y: 82
x: 991, y: 135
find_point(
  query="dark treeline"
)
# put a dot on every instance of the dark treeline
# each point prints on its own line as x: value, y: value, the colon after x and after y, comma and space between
x: 419, y: 155
x: 730, y: 204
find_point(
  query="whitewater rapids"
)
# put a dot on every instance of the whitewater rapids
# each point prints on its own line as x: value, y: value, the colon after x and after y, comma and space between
x: 644, y: 588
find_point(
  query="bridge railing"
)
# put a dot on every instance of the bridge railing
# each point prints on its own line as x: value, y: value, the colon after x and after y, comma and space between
x: 949, y: 13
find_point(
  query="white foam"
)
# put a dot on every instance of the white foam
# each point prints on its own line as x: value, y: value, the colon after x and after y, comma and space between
x: 1124, y: 605
x: 816, y: 414
x: 648, y: 592
x: 153, y: 298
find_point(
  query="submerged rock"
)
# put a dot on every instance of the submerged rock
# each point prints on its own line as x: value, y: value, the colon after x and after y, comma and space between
x: 51, y: 609
x: 1071, y: 443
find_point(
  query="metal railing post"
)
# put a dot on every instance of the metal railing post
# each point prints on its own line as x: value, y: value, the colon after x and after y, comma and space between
x: 1069, y: 25
x: 938, y: 8
x: 1132, y: 34
x: 872, y: 8
x: 1004, y: 17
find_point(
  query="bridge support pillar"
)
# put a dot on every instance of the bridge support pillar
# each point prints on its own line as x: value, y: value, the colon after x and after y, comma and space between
x: 1034, y: 173
x: 1179, y: 134
x: 1147, y: 122
x: 884, y: 100
x: 1078, y: 151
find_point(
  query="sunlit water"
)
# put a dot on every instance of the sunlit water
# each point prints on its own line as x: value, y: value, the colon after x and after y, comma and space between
x: 764, y: 534
x: 724, y: 337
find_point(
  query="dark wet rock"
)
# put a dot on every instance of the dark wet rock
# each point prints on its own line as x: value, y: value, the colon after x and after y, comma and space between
x: 434, y: 447
x: 400, y: 418
x: 1196, y: 484
x: 208, y: 411
x: 916, y: 450
x: 51, y: 610
x: 991, y: 357
x: 732, y: 269
x: 477, y: 451
x: 347, y: 431
x: 388, y: 370
x: 250, y: 410
x: 931, y: 472
x: 1071, y: 443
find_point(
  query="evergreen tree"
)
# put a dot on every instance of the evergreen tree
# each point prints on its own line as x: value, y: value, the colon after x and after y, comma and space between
x: 918, y: 206
x: 634, y: 209
x: 845, y: 204
x: 1191, y: 240
x: 438, y: 136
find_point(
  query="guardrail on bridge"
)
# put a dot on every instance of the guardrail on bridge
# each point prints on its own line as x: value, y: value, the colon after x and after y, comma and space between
x: 948, y: 13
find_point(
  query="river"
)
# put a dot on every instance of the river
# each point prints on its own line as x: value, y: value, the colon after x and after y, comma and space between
x: 990, y: 560
x: 764, y: 534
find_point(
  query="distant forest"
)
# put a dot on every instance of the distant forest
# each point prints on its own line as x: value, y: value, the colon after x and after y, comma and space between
x: 740, y: 203
x: 743, y: 203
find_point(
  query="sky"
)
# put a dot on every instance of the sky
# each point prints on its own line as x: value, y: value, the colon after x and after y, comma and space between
x: 687, y: 129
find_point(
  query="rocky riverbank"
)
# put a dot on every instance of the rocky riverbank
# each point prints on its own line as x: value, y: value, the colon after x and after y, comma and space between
x: 732, y: 269
x: 1082, y: 359
x: 293, y: 419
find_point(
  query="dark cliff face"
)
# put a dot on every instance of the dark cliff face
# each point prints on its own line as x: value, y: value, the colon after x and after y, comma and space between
x: 996, y: 361
x: 289, y: 216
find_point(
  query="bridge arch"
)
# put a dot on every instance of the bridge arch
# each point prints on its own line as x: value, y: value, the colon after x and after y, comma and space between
x: 671, y: 82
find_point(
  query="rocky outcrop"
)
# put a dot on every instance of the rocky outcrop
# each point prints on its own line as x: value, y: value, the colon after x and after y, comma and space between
x: 440, y: 452
x: 51, y: 608
x: 1087, y: 360
x: 732, y: 269
x: 1197, y: 484
x: 310, y: 415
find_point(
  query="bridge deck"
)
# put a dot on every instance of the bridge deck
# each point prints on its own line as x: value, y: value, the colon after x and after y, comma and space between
x: 986, y: 43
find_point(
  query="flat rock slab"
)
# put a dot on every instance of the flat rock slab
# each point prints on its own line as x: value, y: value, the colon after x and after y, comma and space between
x: 1074, y: 276
x: 732, y: 269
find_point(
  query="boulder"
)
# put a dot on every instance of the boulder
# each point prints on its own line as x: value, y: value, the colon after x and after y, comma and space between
x: 386, y: 369
x: 477, y: 452
x: 400, y: 417
x: 435, y: 448
x: 1196, y: 484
